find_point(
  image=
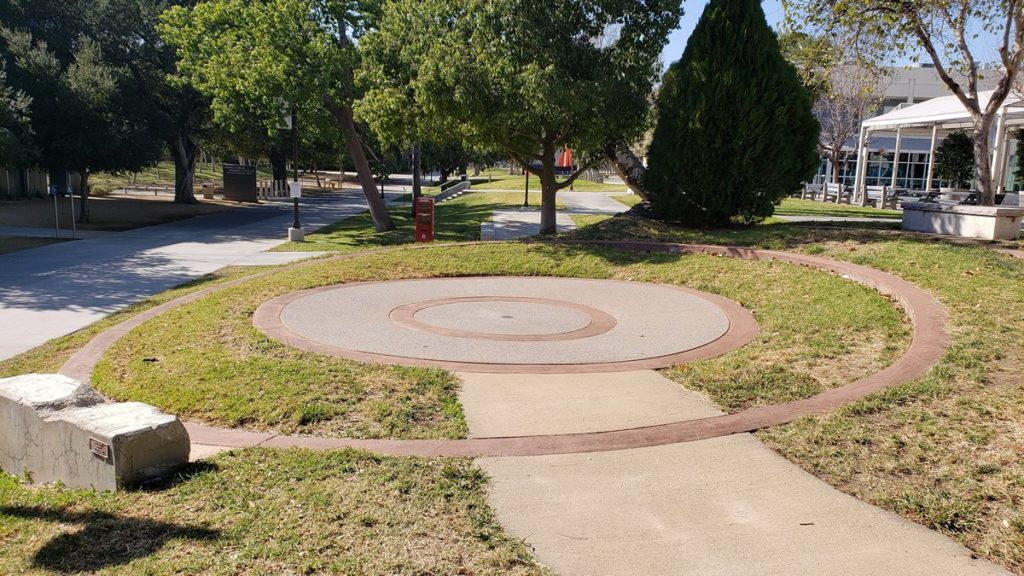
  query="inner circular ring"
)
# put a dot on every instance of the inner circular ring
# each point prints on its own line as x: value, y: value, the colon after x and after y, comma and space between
x: 600, y: 321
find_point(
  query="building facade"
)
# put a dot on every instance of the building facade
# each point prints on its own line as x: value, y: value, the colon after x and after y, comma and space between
x: 907, y: 86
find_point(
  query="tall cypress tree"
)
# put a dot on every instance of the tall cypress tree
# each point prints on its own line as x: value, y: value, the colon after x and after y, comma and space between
x: 735, y: 130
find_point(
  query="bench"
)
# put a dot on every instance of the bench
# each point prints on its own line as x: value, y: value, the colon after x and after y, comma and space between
x: 810, y: 191
x: 882, y: 197
x: 836, y: 193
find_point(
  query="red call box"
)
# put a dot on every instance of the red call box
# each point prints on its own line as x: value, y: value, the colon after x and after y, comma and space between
x: 424, y: 219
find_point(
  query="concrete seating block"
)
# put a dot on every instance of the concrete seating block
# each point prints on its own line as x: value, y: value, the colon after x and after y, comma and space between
x: 54, y: 428
x: 985, y: 222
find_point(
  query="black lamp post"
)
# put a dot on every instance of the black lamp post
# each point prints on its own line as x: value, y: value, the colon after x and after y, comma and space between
x: 295, y: 169
x: 526, y: 194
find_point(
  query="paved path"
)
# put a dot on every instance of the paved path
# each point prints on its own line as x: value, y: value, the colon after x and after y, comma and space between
x: 726, y: 506
x: 54, y: 290
x: 836, y: 219
x: 511, y: 224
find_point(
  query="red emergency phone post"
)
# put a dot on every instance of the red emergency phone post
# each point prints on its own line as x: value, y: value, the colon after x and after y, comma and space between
x: 424, y: 219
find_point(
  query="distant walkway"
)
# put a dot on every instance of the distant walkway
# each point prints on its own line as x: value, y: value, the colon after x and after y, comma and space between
x: 512, y: 224
x: 861, y: 219
x: 54, y: 290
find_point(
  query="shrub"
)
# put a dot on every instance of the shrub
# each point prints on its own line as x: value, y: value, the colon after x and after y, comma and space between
x: 735, y: 130
x: 954, y: 160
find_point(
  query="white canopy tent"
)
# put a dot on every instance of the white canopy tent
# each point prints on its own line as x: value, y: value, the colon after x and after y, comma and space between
x: 931, y: 118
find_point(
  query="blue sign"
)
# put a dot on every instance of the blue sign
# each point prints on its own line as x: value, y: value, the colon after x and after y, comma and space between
x: 53, y: 190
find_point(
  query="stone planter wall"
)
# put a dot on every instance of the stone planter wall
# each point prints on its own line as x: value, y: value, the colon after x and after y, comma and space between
x: 985, y: 222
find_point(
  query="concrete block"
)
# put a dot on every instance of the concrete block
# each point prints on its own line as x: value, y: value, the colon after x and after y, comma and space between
x: 296, y: 235
x: 487, y: 231
x: 985, y: 222
x: 54, y: 428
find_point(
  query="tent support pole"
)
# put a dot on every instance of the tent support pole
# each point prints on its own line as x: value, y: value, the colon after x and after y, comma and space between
x: 895, y: 166
x: 931, y: 159
x: 861, y: 164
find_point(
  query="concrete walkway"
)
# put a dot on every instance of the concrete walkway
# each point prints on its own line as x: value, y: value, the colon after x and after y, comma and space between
x: 726, y: 506
x: 54, y: 290
x: 512, y: 224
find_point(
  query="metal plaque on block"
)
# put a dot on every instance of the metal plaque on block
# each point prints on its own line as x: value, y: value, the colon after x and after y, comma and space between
x: 100, y: 449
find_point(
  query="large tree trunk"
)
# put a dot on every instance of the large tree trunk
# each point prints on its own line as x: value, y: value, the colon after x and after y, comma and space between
x: 378, y: 210
x: 628, y: 167
x: 548, y: 190
x: 279, y: 165
x: 983, y: 162
x: 184, y: 151
x: 83, y: 210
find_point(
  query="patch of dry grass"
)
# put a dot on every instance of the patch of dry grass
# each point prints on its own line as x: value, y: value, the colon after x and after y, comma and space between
x: 261, y: 511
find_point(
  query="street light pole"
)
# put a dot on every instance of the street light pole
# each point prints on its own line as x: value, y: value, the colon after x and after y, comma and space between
x: 526, y: 194
x: 295, y: 168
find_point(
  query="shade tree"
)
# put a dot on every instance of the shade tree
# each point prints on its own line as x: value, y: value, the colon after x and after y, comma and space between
x: 940, y: 32
x: 83, y: 112
x: 735, y: 132
x: 256, y: 58
x: 529, y: 77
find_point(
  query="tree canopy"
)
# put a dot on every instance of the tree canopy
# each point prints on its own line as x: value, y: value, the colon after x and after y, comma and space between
x: 16, y: 147
x: 257, y: 58
x: 527, y: 77
x: 734, y: 131
x: 939, y: 31
x: 83, y: 111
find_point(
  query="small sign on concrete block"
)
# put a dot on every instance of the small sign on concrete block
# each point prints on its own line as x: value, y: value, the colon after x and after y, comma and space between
x: 55, y: 428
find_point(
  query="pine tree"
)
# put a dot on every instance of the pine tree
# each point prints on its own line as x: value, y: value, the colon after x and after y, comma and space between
x: 735, y: 130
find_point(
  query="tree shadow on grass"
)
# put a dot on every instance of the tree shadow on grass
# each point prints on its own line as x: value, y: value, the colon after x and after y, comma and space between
x: 771, y: 235
x: 105, y: 539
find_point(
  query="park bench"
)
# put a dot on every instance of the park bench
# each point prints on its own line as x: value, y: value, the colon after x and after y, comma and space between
x: 836, y: 193
x: 882, y: 197
x: 810, y: 191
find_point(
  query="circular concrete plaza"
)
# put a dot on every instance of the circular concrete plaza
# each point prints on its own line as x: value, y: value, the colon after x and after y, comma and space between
x: 510, y: 324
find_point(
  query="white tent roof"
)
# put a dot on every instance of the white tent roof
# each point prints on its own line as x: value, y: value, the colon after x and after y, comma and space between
x: 946, y: 112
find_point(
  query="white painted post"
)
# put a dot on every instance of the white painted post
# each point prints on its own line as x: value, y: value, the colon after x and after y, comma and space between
x: 861, y: 163
x: 896, y: 157
x: 931, y: 159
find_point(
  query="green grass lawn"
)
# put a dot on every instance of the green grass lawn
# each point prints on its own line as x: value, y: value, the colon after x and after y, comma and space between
x: 628, y: 199
x: 163, y: 174
x: 455, y: 221
x: 798, y: 207
x: 259, y: 511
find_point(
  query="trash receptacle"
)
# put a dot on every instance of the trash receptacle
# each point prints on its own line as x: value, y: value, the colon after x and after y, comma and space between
x: 424, y: 219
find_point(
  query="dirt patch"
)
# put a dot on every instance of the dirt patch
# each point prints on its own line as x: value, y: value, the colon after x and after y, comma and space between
x: 114, y: 212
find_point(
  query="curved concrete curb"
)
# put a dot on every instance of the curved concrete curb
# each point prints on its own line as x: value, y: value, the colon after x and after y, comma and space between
x: 930, y: 340
x: 742, y: 329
